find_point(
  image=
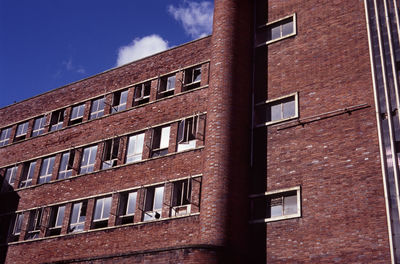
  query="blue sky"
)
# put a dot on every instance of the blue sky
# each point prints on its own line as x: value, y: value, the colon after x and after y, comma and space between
x: 45, y: 44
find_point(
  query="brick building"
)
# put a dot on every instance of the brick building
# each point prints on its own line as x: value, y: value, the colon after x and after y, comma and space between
x: 274, y: 140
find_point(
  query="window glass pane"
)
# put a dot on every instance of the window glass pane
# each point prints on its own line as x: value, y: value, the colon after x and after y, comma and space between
x: 275, y: 32
x: 51, y: 165
x: 287, y: 27
x: 290, y: 204
x: 60, y: 216
x: 130, y: 208
x: 276, y: 113
x: 98, y: 209
x: 139, y: 143
x: 77, y: 111
x: 164, y: 137
x: 21, y: 129
x: 158, y: 198
x: 64, y: 162
x: 197, y: 75
x: 5, y: 136
x: 75, y: 213
x: 107, y: 207
x: 289, y: 109
x: 171, y: 82
x: 276, y: 210
x: 92, y: 158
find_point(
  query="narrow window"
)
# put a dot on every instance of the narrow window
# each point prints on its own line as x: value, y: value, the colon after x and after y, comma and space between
x: 102, y: 212
x: 56, y: 220
x: 187, y: 132
x: 57, y: 120
x: 153, y: 203
x: 17, y: 227
x: 66, y: 165
x: 119, y: 101
x: 160, y: 141
x: 127, y: 206
x: 9, y: 178
x: 277, y: 110
x: 38, y: 126
x: 182, y: 191
x: 88, y: 159
x: 142, y: 93
x: 274, y: 206
x: 192, y: 78
x: 77, y: 114
x: 5, y: 136
x: 135, y: 148
x: 78, y: 217
x: 97, y: 108
x: 110, y: 153
x: 166, y: 86
x: 46, y: 170
x: 27, y: 174
x: 277, y: 30
x: 34, y: 224
x: 21, y: 131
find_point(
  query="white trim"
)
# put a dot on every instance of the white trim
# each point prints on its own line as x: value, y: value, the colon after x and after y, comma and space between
x: 283, y: 37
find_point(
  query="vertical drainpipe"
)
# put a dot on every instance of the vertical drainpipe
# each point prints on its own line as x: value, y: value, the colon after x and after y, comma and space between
x: 381, y: 147
x: 223, y: 217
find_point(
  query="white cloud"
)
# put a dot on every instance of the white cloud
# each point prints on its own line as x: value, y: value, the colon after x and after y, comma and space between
x: 195, y: 17
x: 71, y: 67
x: 140, y: 48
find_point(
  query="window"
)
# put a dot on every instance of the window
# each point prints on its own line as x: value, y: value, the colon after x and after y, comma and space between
x: 192, y: 78
x: 77, y: 114
x: 17, y: 227
x: 277, y: 205
x: 166, y: 86
x: 160, y: 141
x: 88, y: 159
x: 34, y: 224
x: 153, y: 203
x: 46, y: 170
x: 189, y: 130
x: 66, y: 165
x: 56, y: 220
x: 127, y: 206
x: 119, y: 101
x: 101, y: 212
x: 277, y: 110
x: 97, y: 109
x: 142, y: 93
x: 276, y: 30
x: 21, y: 131
x: 38, y: 126
x: 5, y: 136
x: 57, y: 120
x: 27, y: 174
x: 135, y: 148
x: 110, y: 153
x: 9, y: 178
x: 78, y: 217
x: 181, y: 197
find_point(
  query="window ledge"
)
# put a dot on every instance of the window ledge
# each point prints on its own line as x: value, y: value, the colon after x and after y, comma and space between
x: 275, y: 219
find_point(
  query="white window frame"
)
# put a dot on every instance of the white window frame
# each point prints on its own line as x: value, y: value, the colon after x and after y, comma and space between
x: 88, y: 167
x: 271, y: 101
x: 67, y: 171
x: 282, y: 217
x: 142, y: 88
x: 80, y: 112
x: 122, y: 103
x: 35, y: 222
x: 165, y: 133
x: 48, y: 171
x: 181, y: 207
x: 5, y: 136
x: 112, y: 161
x: 17, y: 226
x: 58, y: 215
x: 26, y: 182
x: 135, y: 155
x: 11, y: 176
x: 59, y: 121
x: 96, y: 113
x: 103, y: 200
x: 270, y: 24
x: 149, y: 215
x: 23, y: 131
x: 36, y: 131
x: 192, y: 71
x: 79, y: 225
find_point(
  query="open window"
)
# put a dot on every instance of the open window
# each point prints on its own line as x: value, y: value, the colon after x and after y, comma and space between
x: 276, y: 205
x: 135, y: 148
x: 57, y: 120
x: 66, y: 164
x: 9, y: 179
x: 276, y: 30
x: 78, y: 217
x: 277, y: 110
x: 22, y: 129
x: 160, y: 141
x: 192, y: 78
x: 153, y: 203
x: 5, y: 136
x: 56, y: 220
x: 142, y: 93
x: 127, y: 207
x: 181, y: 197
x: 97, y: 108
x: 46, y: 170
x: 77, y: 113
x: 38, y: 126
x: 110, y: 153
x: 101, y: 212
x: 27, y: 174
x: 119, y: 101
x: 16, y: 227
x: 166, y: 86
x: 34, y: 224
x: 190, y: 131
x: 88, y: 159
